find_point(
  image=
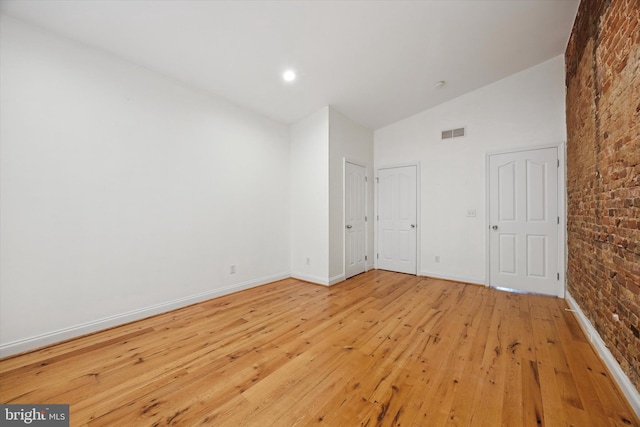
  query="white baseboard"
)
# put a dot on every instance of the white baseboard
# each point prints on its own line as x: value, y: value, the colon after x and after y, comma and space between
x: 630, y: 392
x: 319, y: 280
x: 336, y: 279
x: 52, y: 337
x: 453, y: 278
x: 312, y: 279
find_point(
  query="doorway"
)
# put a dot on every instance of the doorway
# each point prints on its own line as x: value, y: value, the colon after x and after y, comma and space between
x: 524, y: 221
x: 397, y: 225
x: 355, y: 219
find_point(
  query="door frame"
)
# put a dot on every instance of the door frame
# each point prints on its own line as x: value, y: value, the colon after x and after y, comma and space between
x: 418, y: 208
x: 562, y: 211
x: 346, y: 160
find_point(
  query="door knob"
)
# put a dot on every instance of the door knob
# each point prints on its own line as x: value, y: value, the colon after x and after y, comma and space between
x: 494, y: 227
x: 413, y: 226
x: 349, y: 226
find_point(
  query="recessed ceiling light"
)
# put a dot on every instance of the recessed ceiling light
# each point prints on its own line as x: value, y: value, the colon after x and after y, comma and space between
x: 289, y: 76
x: 439, y: 84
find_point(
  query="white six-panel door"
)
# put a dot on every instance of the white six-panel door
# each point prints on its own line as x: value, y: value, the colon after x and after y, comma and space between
x: 397, y: 219
x: 355, y: 219
x: 523, y: 221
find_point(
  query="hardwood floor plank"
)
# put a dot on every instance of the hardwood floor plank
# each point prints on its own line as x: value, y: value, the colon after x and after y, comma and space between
x: 380, y: 349
x: 533, y: 412
x: 464, y: 405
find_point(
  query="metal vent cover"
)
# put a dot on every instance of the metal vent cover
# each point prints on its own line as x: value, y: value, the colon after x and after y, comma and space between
x: 453, y: 133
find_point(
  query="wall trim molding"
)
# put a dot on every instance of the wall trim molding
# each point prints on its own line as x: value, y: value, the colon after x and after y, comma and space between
x: 628, y: 389
x: 76, y: 331
x: 311, y: 279
x: 452, y: 278
x: 336, y: 279
x: 319, y: 280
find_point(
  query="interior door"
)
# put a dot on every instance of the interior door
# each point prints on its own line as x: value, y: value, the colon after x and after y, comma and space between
x: 355, y: 219
x: 523, y: 221
x: 397, y: 219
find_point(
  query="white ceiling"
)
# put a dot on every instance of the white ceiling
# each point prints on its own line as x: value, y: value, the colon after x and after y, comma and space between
x: 375, y: 61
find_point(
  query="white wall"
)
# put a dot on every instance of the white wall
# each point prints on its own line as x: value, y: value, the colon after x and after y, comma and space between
x: 350, y: 140
x: 319, y: 145
x: 310, y: 198
x: 124, y: 193
x: 523, y: 110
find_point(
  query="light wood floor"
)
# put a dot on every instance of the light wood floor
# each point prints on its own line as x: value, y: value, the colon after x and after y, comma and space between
x: 379, y: 349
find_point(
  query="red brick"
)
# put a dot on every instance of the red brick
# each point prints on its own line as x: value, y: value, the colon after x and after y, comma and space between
x: 603, y: 172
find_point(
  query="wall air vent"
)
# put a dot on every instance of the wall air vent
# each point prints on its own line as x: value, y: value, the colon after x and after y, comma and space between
x: 452, y: 133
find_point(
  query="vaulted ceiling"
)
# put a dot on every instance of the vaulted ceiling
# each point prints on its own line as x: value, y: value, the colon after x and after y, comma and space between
x: 375, y: 61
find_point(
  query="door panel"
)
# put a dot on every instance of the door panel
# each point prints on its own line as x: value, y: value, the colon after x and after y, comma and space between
x: 523, y: 215
x: 355, y: 219
x: 508, y: 254
x: 536, y: 256
x: 536, y: 191
x: 506, y: 186
x: 397, y: 219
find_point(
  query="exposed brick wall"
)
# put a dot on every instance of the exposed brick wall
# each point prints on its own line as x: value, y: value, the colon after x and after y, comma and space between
x: 603, y: 173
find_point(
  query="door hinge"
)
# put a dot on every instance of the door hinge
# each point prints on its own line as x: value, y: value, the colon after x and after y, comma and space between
x: 365, y: 257
x: 378, y: 217
x: 377, y: 179
x: 558, y: 276
x: 558, y: 162
x: 366, y: 179
x: 365, y: 219
x: 558, y: 220
x: 377, y: 256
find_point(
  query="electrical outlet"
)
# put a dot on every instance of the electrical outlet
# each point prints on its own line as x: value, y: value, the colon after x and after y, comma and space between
x: 437, y: 258
x: 232, y: 269
x: 471, y: 212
